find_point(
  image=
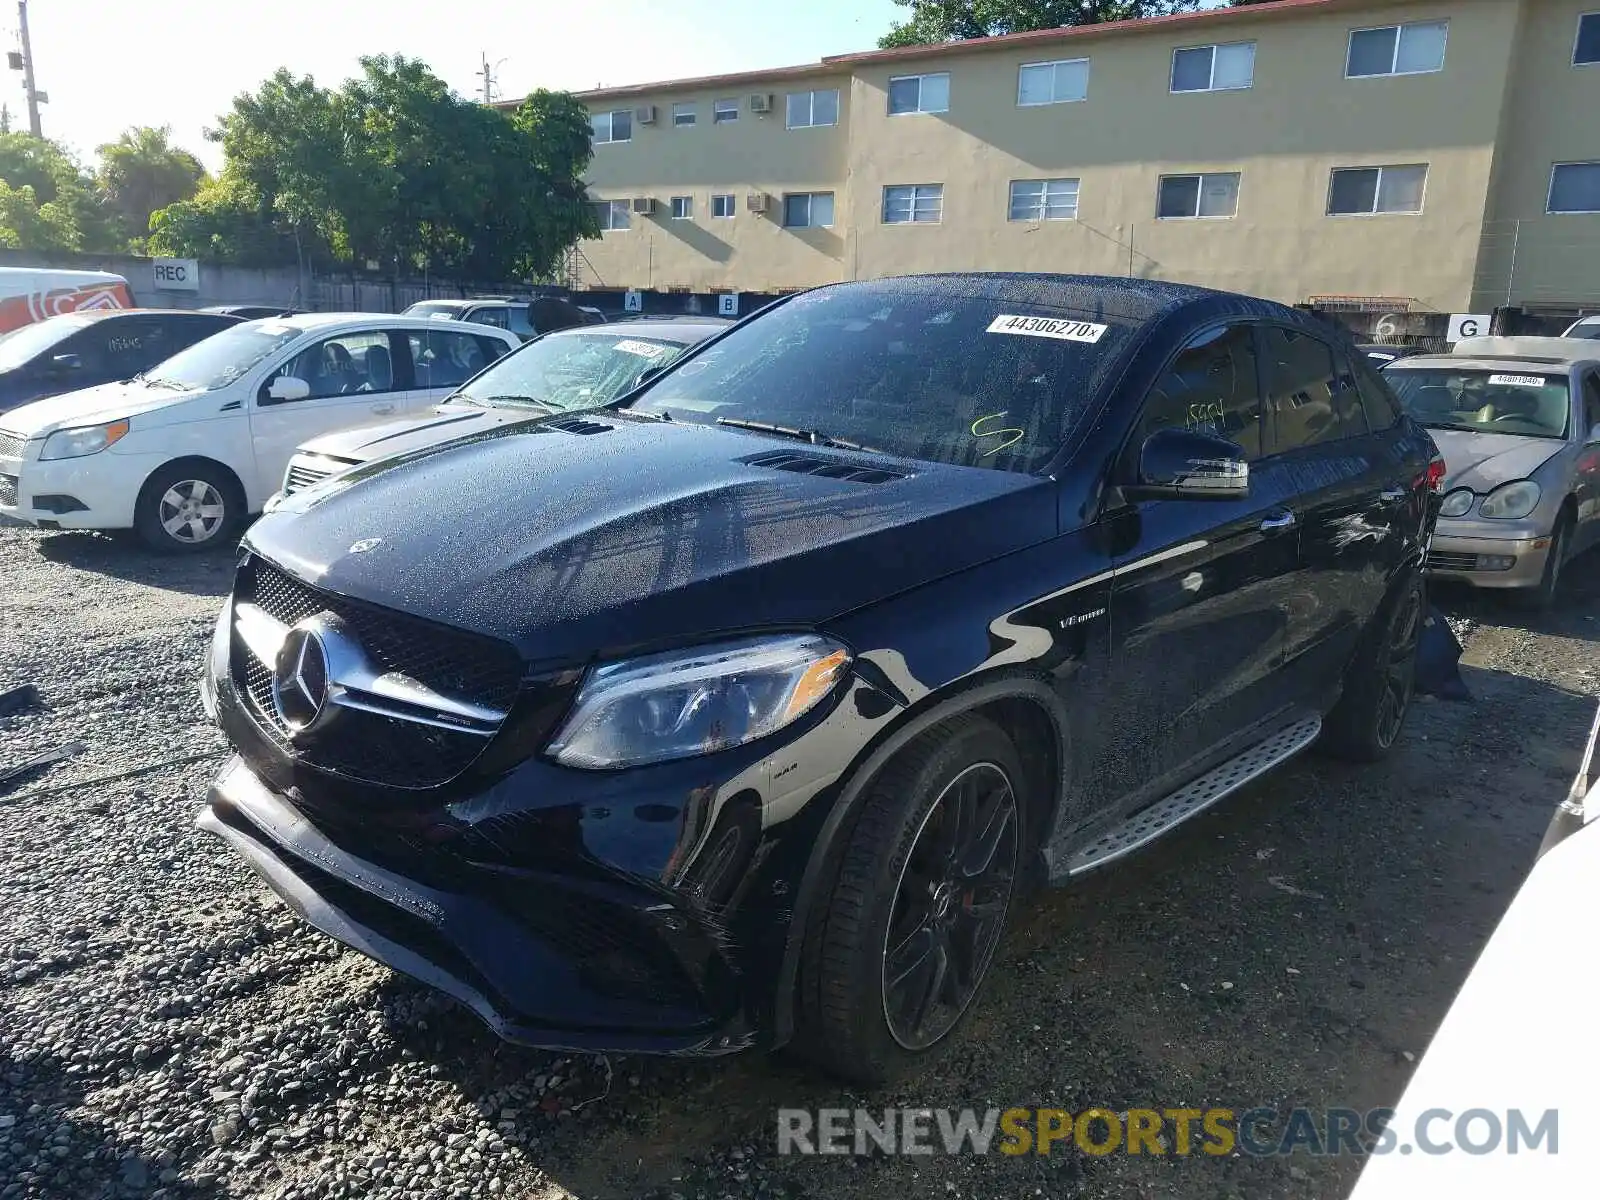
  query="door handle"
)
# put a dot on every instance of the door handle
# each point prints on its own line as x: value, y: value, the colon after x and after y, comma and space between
x: 1392, y: 495
x: 1278, y: 522
x: 383, y: 408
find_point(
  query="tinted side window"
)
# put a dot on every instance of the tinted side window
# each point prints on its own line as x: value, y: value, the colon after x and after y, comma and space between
x: 1377, y: 397
x: 518, y: 322
x: 491, y: 348
x: 347, y: 365
x: 1591, y: 402
x: 1211, y: 387
x: 488, y: 316
x: 444, y: 358
x: 1308, y: 400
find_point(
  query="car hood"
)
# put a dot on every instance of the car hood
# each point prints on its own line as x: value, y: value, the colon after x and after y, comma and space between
x: 619, y: 532
x: 89, y: 406
x: 440, y: 424
x: 1483, y: 461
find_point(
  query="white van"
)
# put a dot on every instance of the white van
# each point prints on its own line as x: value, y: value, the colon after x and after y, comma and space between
x: 29, y: 294
x: 183, y: 452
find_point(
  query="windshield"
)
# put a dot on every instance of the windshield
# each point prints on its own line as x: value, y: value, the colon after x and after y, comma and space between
x: 1589, y: 332
x: 570, y: 370
x: 221, y: 358
x: 21, y: 346
x: 1515, y: 400
x: 906, y: 368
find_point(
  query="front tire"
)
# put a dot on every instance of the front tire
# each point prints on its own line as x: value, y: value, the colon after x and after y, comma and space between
x: 1543, y: 594
x: 1366, y: 722
x: 918, y: 904
x: 188, y: 507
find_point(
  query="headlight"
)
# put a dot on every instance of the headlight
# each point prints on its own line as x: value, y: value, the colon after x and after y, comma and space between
x: 1458, y: 503
x: 75, y: 443
x: 1511, y: 500
x: 690, y: 702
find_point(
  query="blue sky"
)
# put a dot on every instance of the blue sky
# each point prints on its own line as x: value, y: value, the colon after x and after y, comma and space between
x: 108, y: 64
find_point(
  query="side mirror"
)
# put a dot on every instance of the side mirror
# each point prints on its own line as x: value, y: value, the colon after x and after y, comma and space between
x: 1184, y: 464
x: 286, y: 388
x: 67, y: 362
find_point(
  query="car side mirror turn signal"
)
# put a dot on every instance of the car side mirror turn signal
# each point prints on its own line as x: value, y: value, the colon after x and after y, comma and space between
x: 1190, y: 465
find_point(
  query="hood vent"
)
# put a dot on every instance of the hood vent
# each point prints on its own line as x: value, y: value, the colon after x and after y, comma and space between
x: 578, y: 425
x: 830, y: 468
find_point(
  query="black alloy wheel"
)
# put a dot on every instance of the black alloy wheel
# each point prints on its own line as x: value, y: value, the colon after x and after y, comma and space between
x: 1400, y: 668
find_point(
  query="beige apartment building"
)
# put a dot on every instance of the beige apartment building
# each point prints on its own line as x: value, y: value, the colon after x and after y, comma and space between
x: 1445, y: 153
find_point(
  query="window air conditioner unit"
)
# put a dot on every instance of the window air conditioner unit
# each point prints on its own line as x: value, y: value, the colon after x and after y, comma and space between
x: 644, y: 205
x: 756, y: 202
x: 761, y: 102
x: 645, y: 114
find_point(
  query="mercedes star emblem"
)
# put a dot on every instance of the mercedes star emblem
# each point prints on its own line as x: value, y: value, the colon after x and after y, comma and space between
x: 300, y: 677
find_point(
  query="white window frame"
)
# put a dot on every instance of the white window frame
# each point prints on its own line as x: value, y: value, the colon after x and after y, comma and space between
x: 810, y: 198
x: 919, y: 192
x: 1399, y: 32
x: 811, y: 109
x: 688, y: 208
x: 1211, y: 83
x: 611, y: 209
x: 919, y: 110
x: 1053, y: 63
x: 732, y: 205
x: 724, y: 111
x: 678, y: 113
x: 1550, y: 193
x: 1577, y: 36
x: 1377, y: 191
x: 1044, y: 200
x: 611, y: 119
x: 1202, y: 176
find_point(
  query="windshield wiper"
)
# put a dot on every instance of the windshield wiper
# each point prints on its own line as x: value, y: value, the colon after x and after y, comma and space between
x: 157, y: 381
x: 799, y: 435
x: 488, y: 401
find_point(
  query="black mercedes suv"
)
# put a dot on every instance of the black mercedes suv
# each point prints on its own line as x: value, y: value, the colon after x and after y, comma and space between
x: 744, y: 710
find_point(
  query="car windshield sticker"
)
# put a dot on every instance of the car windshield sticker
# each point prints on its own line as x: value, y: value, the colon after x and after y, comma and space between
x: 642, y: 349
x: 1048, y: 327
x: 1517, y: 380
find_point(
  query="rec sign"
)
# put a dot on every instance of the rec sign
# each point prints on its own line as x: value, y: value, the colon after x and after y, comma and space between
x: 176, y: 274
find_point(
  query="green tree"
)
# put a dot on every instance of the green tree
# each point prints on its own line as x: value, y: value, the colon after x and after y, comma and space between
x: 140, y: 172
x: 25, y: 224
x: 934, y: 21
x: 44, y: 180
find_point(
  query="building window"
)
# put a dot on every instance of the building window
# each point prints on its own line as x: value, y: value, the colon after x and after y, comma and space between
x: 1397, y: 50
x: 1044, y: 199
x: 613, y: 214
x: 1356, y: 191
x: 723, y: 111
x: 1198, y: 196
x: 1586, y: 51
x: 808, y: 109
x: 919, y: 203
x: 1575, y: 188
x: 611, y: 126
x: 1222, y: 68
x: 1053, y: 82
x: 683, y: 114
x: 919, y: 94
x: 807, y: 210
x: 682, y: 208
x: 722, y: 206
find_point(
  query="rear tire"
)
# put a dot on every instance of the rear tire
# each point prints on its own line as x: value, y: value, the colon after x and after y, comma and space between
x: 918, y: 904
x: 1365, y: 724
x: 188, y: 507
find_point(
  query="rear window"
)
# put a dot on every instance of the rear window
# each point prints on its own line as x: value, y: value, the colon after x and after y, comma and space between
x: 932, y: 374
x: 23, y: 345
x: 1512, y: 399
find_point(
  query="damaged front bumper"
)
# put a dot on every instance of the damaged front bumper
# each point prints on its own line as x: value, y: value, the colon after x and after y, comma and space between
x: 570, y: 964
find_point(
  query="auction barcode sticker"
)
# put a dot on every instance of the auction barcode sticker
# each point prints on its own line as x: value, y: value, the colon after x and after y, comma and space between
x: 642, y: 349
x: 1048, y: 327
x: 1517, y: 380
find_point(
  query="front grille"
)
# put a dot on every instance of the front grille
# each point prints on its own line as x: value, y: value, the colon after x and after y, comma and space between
x: 8, y: 490
x: 366, y: 746
x: 1447, y: 560
x: 11, y: 445
x: 302, y: 477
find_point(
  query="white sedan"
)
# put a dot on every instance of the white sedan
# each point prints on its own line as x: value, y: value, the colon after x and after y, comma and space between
x: 185, y: 451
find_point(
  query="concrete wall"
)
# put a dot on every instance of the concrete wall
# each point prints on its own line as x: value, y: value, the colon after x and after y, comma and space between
x: 1506, y: 81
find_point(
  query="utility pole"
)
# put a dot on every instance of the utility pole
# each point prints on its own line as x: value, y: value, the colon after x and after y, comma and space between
x: 28, y: 87
x: 488, y: 78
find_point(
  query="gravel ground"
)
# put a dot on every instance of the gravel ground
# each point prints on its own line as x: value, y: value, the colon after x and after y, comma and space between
x: 167, y: 1029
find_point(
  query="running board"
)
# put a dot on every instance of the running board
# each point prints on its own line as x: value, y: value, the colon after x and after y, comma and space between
x: 1150, y: 823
